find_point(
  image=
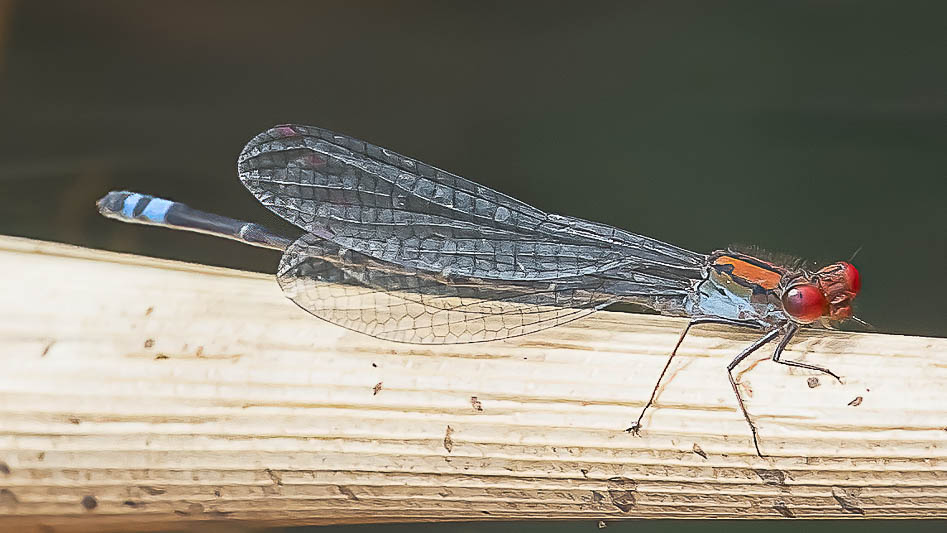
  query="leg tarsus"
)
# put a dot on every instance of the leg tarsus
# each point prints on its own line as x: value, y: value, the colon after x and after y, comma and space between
x: 778, y: 353
x: 797, y: 364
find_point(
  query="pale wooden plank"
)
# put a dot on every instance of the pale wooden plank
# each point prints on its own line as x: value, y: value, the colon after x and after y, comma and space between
x: 160, y: 393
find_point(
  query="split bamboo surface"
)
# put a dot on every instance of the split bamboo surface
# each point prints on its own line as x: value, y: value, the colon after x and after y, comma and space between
x: 142, y: 394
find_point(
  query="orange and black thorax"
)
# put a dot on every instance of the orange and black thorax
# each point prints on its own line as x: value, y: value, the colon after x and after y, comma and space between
x: 761, y: 277
x: 739, y: 287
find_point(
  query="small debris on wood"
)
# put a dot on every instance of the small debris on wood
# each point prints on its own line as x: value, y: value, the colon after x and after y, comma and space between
x: 784, y: 510
x: 89, y: 502
x: 8, y: 498
x: 621, y: 491
x: 448, y: 441
x: 699, y: 451
x: 771, y: 477
x: 844, y: 503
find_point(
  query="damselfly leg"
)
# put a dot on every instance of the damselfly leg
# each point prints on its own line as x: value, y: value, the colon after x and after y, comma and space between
x: 787, y: 331
x: 759, y: 343
x: 636, y: 427
x: 792, y: 329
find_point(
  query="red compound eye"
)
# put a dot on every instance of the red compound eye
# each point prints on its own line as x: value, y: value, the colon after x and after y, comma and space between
x: 805, y: 303
x: 852, y: 278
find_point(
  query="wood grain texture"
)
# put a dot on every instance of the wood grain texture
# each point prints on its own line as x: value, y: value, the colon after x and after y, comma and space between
x: 138, y: 393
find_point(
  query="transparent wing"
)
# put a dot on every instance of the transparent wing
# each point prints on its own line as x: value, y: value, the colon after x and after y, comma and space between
x: 400, y: 210
x: 391, y: 302
x: 462, y: 249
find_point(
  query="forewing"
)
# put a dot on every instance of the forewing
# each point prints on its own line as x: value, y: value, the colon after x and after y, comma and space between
x: 401, y: 210
x: 291, y: 169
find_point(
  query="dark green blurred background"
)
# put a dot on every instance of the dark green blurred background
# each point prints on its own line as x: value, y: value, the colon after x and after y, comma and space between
x: 805, y: 128
x: 811, y: 128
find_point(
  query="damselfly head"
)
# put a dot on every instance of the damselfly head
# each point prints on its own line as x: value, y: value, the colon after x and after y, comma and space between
x: 827, y: 294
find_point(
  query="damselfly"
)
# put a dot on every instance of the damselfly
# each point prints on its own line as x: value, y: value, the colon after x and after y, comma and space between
x: 403, y: 251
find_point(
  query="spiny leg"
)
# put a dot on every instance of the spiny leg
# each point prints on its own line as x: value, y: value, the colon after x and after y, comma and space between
x: 636, y: 427
x: 770, y: 335
x: 782, y: 345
